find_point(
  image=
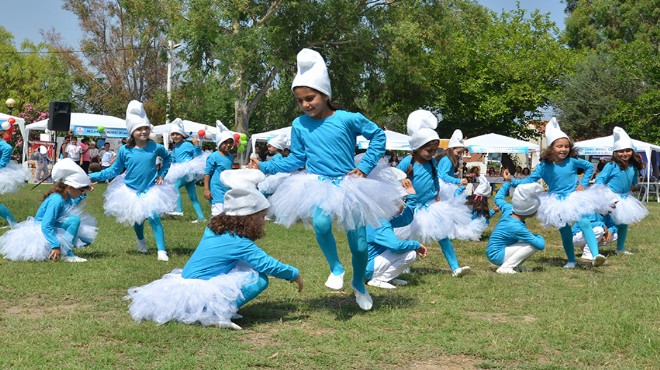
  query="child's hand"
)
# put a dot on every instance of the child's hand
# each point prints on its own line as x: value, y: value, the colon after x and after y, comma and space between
x: 607, y: 236
x: 299, y: 281
x: 408, y: 186
x: 357, y: 172
x: 195, y: 141
x: 55, y: 254
x: 207, y: 194
x: 506, y: 175
x: 579, y: 188
x: 254, y: 163
x: 159, y: 180
x: 496, y: 209
x: 464, y: 181
x: 422, y: 250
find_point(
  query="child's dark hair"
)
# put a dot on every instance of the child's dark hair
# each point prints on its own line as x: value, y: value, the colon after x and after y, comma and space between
x: 59, y: 187
x: 131, y: 143
x: 410, y: 172
x: 548, y: 156
x: 245, y: 226
x: 449, y: 152
x: 332, y: 105
x: 635, y: 160
x: 479, y: 204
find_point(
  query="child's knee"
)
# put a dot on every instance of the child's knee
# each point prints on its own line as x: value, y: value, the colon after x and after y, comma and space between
x: 322, y: 223
x: 73, y: 220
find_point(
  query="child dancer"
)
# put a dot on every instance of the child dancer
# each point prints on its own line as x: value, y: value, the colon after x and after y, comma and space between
x: 478, y: 202
x: 140, y: 194
x: 12, y: 175
x: 219, y: 161
x: 619, y: 176
x: 188, y: 163
x: 59, y: 225
x: 435, y: 218
x: 511, y: 243
x: 604, y: 229
x: 227, y: 269
x: 566, y: 201
x: 324, y: 140
x: 388, y: 255
x: 275, y: 146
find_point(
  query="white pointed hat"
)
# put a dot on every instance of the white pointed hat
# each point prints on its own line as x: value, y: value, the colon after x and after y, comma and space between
x: 622, y: 140
x: 278, y: 141
x: 177, y: 126
x: 553, y: 131
x: 223, y: 134
x: 526, y: 199
x: 68, y: 172
x: 136, y: 116
x: 243, y: 198
x: 456, y: 140
x: 421, y: 127
x: 483, y: 189
x: 312, y: 72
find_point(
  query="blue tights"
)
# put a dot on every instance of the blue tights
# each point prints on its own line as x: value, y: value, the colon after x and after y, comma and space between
x: 251, y: 291
x: 71, y: 225
x: 357, y: 241
x: 6, y: 215
x: 589, y: 237
x: 448, y: 251
x: 156, y: 227
x: 192, y: 195
x: 621, y: 233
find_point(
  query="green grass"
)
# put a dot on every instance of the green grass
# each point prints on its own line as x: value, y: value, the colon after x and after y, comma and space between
x: 73, y: 316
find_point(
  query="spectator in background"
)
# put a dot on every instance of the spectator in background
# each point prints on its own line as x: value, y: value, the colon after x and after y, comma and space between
x: 394, y: 160
x: 107, y: 158
x: 93, y: 153
x: 73, y: 150
x: 67, y: 140
x: 491, y: 171
x: 601, y: 164
x: 85, y: 159
x: 525, y: 172
x: 518, y: 172
x: 41, y: 157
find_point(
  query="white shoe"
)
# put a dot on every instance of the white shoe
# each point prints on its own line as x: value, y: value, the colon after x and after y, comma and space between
x: 363, y: 299
x: 624, y: 252
x: 586, y: 254
x: 569, y: 265
x: 399, y: 282
x: 598, y: 261
x: 406, y: 271
x: 228, y: 325
x: 73, y: 259
x: 335, y: 282
x: 461, y: 271
x: 198, y: 220
x: 381, y: 284
x: 236, y: 316
x: 142, y: 246
x: 162, y: 256
x: 506, y: 270
x: 175, y: 213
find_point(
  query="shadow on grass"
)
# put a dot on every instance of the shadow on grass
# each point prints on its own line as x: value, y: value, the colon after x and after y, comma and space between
x: 560, y: 262
x: 93, y: 254
x: 181, y: 251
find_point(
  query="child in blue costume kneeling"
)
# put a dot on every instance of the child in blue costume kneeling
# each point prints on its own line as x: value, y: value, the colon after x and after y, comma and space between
x: 188, y: 164
x: 333, y: 187
x: 59, y: 225
x: 219, y: 161
x: 227, y: 269
x: 140, y: 193
x: 511, y: 243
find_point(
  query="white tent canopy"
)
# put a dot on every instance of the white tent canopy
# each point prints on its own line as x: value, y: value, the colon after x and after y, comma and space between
x: 604, y: 146
x: 192, y: 128
x: 494, y: 143
x: 83, y: 124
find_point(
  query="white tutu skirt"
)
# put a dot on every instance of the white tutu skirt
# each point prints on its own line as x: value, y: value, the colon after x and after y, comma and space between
x: 628, y: 210
x: 353, y: 201
x: 88, y: 230
x: 192, y: 170
x: 12, y: 176
x: 559, y: 212
x: 130, y: 206
x: 438, y: 220
x: 272, y: 182
x: 173, y: 298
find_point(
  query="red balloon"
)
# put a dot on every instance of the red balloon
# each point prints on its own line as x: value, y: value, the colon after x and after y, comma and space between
x: 11, y: 120
x: 7, y: 136
x: 201, y: 133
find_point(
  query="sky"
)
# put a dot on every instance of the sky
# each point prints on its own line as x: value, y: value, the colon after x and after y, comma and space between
x: 26, y: 18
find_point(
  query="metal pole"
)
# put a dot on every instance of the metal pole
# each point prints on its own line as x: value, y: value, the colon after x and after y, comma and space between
x: 170, y: 46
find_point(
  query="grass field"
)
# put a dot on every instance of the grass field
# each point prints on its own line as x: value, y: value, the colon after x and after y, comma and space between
x: 59, y: 315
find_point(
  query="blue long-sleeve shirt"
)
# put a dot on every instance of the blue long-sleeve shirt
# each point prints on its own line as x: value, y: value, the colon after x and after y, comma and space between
x: 5, y: 153
x: 216, y: 163
x: 562, y: 178
x: 383, y: 238
x: 425, y: 184
x: 327, y: 146
x: 185, y: 151
x: 618, y: 180
x: 49, y: 213
x: 446, y: 171
x: 140, y: 166
x: 218, y: 254
x: 596, y: 220
x: 509, y: 230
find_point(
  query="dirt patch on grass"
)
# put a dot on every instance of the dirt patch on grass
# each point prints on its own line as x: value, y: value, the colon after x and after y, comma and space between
x: 498, y: 318
x: 445, y: 362
x: 260, y: 339
x: 36, y: 307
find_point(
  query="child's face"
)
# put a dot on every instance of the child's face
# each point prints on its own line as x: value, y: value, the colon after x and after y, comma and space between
x: 624, y: 155
x: 176, y: 137
x: 458, y: 151
x: 427, y: 151
x: 312, y: 102
x: 225, y: 146
x: 141, y: 134
x: 271, y: 149
x: 561, y: 148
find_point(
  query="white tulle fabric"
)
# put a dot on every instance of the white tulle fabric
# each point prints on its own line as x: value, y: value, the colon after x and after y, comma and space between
x: 173, y: 298
x: 272, y: 182
x: 130, y: 206
x: 26, y: 242
x: 12, y: 176
x: 353, y: 201
x: 192, y: 170
x: 628, y: 210
x: 558, y: 211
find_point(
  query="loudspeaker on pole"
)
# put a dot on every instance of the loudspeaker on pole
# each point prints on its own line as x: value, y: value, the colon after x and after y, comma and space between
x: 59, y: 116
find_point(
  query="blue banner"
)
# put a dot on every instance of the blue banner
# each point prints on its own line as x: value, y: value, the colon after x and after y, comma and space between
x: 94, y: 131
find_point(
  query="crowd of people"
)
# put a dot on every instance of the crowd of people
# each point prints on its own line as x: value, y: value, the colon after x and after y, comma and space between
x: 391, y: 210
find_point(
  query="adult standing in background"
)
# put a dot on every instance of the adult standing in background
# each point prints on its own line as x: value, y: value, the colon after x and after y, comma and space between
x: 93, y: 153
x: 73, y: 150
x: 84, y: 154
